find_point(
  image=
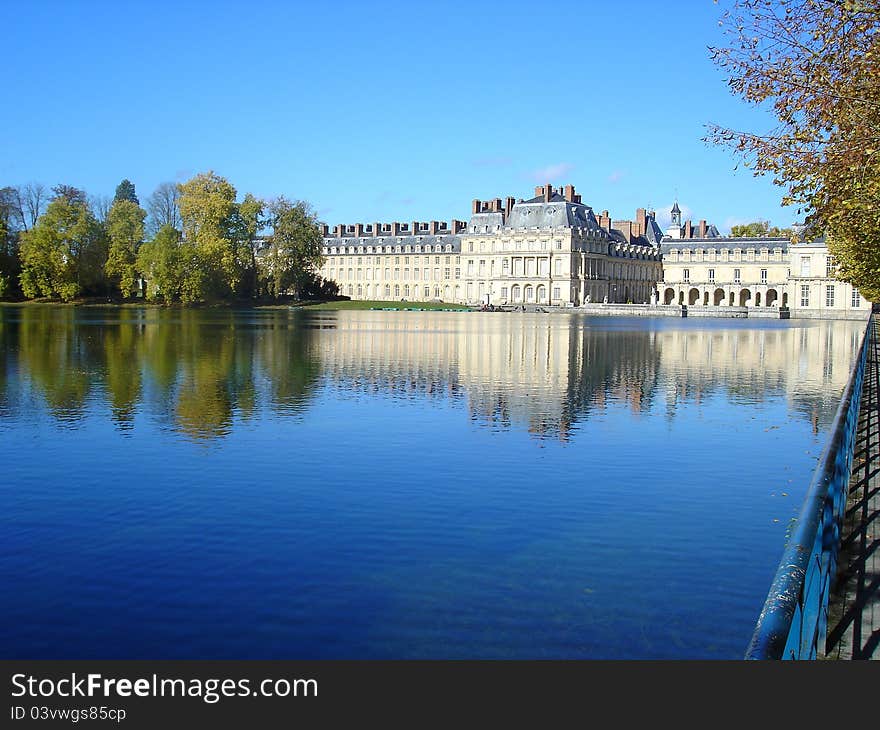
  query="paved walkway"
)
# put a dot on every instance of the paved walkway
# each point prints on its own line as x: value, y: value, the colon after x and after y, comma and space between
x: 854, y: 613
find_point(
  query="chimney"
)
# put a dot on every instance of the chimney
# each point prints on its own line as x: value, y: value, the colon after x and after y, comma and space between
x: 377, y: 229
x: 569, y: 193
x: 625, y: 227
x: 325, y: 230
x: 457, y: 226
x: 539, y: 191
x: 395, y: 228
x: 341, y: 230
x: 577, y: 197
x: 688, y: 230
x: 475, y: 208
x: 433, y: 228
x: 416, y: 228
x: 703, y: 229
x: 641, y: 221
x: 358, y: 230
x: 548, y: 192
x: 508, y: 206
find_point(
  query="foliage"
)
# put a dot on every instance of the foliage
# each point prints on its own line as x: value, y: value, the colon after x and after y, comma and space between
x: 211, y: 268
x: 64, y: 254
x: 125, y: 191
x: 125, y: 231
x: 759, y: 229
x: 160, y: 260
x: 248, y: 219
x: 71, y: 194
x: 293, y: 250
x: 818, y: 63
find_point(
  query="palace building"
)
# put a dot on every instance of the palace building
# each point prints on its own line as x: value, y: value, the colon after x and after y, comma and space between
x: 549, y: 250
x: 554, y: 250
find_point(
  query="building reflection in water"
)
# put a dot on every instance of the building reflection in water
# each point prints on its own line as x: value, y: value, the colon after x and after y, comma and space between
x: 201, y: 372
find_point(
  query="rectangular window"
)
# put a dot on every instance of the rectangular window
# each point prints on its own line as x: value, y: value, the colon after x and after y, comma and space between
x: 805, y: 295
x: 805, y: 265
x: 556, y: 292
x: 446, y: 272
x: 557, y: 267
x: 829, y: 266
x: 711, y: 276
x: 504, y: 292
x: 736, y: 276
x: 763, y: 276
x: 457, y: 272
x: 686, y: 275
x: 856, y: 299
x: 470, y: 268
x: 829, y: 295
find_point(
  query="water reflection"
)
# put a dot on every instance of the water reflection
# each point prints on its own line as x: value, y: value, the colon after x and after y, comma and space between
x: 201, y: 372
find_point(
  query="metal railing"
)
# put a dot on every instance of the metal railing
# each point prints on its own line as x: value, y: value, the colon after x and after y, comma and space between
x: 794, y: 620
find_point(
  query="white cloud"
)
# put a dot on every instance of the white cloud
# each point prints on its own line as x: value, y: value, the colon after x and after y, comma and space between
x: 551, y: 173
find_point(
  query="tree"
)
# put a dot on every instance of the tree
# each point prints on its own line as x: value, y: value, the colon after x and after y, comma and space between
x: 71, y: 194
x: 248, y: 220
x: 125, y: 231
x: 294, y: 247
x: 162, y: 207
x: 759, y: 229
x: 160, y: 261
x: 63, y: 255
x: 207, y: 206
x: 10, y: 267
x: 125, y: 191
x: 818, y: 63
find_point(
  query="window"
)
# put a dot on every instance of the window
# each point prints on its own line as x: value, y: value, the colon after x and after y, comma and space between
x: 856, y: 299
x: 763, y: 276
x: 446, y: 273
x: 829, y: 295
x: 736, y: 276
x: 829, y: 266
x: 556, y: 292
x: 711, y: 276
x: 805, y: 265
x: 686, y: 275
x: 557, y: 267
x: 457, y: 272
x: 470, y: 268
x: 559, y: 244
x: 504, y: 292
x: 805, y: 295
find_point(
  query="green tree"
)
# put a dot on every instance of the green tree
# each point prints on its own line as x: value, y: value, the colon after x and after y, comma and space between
x: 125, y: 231
x: 161, y: 262
x: 248, y: 219
x: 759, y: 229
x: 125, y: 191
x: 818, y: 63
x: 294, y: 248
x: 207, y: 206
x: 64, y: 254
x: 10, y: 267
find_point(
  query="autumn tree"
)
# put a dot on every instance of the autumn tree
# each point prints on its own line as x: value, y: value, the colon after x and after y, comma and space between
x: 161, y: 263
x: 211, y: 270
x: 817, y: 63
x: 64, y: 254
x: 294, y: 248
x: 758, y: 229
x: 125, y: 233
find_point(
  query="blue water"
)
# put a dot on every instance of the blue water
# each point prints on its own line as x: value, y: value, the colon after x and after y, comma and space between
x: 299, y: 485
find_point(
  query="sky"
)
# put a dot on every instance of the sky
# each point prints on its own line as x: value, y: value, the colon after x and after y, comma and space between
x: 382, y: 111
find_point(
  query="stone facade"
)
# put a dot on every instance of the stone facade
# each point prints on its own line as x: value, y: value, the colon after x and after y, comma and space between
x: 553, y: 250
x: 549, y: 250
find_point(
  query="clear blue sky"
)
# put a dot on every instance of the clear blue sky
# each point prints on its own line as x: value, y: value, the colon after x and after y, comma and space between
x: 381, y: 111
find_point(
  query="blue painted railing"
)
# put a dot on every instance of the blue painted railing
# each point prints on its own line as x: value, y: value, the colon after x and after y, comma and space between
x: 794, y: 620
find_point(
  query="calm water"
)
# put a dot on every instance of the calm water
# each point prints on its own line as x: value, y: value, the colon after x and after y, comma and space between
x: 276, y: 484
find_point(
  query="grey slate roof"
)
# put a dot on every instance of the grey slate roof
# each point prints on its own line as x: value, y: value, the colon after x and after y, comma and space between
x: 727, y: 242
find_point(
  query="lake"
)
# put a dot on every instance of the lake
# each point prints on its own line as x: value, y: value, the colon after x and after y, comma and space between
x: 216, y: 483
